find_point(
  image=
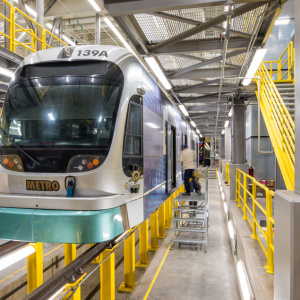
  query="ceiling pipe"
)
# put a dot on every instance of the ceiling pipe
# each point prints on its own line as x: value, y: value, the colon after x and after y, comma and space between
x: 229, y: 11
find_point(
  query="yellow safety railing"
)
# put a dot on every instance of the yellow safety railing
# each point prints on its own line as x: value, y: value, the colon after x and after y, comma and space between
x: 282, y: 70
x: 280, y: 125
x: 16, y: 30
x: 227, y: 173
x: 247, y: 200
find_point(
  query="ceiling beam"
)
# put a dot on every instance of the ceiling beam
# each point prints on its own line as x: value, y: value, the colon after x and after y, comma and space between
x: 204, y: 26
x: 195, y: 23
x: 205, y: 73
x: 205, y: 63
x: 203, y: 89
x: 206, y: 98
x: 121, y: 8
x: 204, y: 45
x: 132, y: 30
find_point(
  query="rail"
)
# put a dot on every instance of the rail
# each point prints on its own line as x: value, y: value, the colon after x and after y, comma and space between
x: 282, y: 70
x: 227, y: 174
x: 280, y: 126
x: 248, y: 202
x: 16, y: 32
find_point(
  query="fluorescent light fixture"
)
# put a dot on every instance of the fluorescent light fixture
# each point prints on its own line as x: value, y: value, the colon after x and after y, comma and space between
x: 95, y: 5
x: 198, y: 131
x: 100, y: 119
x: 158, y: 72
x: 258, y: 57
x: 50, y: 115
x: 183, y: 109
x: 244, y: 281
x: 118, y: 34
x: 6, y: 72
x: 230, y: 112
x: 30, y: 11
x: 201, y: 135
x: 282, y: 21
x: 231, y: 230
x: 193, y: 124
x: 226, y: 123
x: 16, y: 256
x: 223, y: 131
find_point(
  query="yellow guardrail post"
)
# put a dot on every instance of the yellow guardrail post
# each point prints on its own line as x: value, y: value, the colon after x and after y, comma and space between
x: 270, y: 245
x: 129, y: 265
x: 254, y: 234
x: 161, y: 221
x: 35, y: 268
x: 107, y: 274
x: 167, y: 214
x: 70, y: 253
x: 245, y: 197
x: 154, y: 231
x: 143, y: 246
x: 72, y: 286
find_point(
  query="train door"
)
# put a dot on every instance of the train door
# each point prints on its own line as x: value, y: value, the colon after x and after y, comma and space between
x: 173, y: 157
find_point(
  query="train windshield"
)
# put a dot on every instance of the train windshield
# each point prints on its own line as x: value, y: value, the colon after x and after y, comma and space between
x: 61, y: 111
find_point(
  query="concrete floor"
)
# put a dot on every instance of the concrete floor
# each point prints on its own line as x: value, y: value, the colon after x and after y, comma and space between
x: 188, y: 273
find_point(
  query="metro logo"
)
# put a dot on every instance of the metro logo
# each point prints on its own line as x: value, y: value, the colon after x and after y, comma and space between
x: 42, y: 185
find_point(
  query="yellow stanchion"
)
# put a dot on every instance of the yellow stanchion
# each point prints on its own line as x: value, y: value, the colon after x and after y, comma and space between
x: 129, y: 265
x: 254, y: 234
x: 245, y: 197
x: 270, y: 246
x: 154, y: 231
x: 161, y: 221
x: 167, y: 214
x: 70, y: 253
x: 73, y: 286
x: 143, y: 246
x: 35, y: 268
x: 107, y: 275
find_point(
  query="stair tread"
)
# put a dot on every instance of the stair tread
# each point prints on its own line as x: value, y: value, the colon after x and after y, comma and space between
x: 188, y: 230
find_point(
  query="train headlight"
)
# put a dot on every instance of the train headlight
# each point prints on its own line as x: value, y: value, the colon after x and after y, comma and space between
x: 11, y: 162
x: 82, y: 163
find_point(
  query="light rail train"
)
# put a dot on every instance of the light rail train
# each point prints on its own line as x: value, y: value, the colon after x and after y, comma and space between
x: 89, y: 146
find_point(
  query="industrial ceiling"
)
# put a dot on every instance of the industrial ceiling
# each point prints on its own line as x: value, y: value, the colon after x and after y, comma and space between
x: 202, y: 46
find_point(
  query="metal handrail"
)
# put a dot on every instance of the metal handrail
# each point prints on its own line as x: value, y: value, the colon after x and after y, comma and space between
x: 280, y: 125
x: 243, y: 197
x: 16, y: 30
x: 282, y: 69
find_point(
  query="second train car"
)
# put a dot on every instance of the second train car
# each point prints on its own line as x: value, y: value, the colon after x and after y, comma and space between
x: 89, y: 146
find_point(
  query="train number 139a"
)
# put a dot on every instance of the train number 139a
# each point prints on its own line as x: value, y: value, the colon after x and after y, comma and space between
x: 91, y: 53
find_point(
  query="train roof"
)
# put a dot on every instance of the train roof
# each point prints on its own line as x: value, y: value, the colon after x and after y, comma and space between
x: 86, y: 52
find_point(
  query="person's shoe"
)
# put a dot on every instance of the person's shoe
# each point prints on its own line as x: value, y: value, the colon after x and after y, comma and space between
x: 186, y: 194
x: 199, y: 193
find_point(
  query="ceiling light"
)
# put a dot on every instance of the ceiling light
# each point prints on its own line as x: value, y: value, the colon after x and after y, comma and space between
x: 118, y: 34
x: 282, y: 21
x: 158, y: 72
x: 201, y: 135
x: 258, y: 57
x: 226, y: 123
x: 198, y: 131
x: 230, y: 112
x: 193, y: 124
x: 95, y: 5
x: 6, y: 72
x: 223, y: 131
x: 183, y: 109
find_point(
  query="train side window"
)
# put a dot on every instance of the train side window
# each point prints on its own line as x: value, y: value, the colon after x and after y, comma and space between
x: 133, y: 141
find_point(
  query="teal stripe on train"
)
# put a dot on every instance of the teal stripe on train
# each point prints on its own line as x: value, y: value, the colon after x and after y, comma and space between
x: 59, y: 226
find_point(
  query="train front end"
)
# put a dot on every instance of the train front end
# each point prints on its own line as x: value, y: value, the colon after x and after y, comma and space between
x: 61, y: 175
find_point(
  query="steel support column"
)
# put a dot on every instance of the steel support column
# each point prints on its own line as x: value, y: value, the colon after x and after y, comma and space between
x: 6, y: 24
x: 98, y: 30
x: 40, y: 20
x: 238, y: 132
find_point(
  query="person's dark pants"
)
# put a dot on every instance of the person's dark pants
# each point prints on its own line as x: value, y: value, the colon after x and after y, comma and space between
x: 188, y: 173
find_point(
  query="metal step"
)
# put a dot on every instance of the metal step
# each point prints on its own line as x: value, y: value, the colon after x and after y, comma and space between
x: 181, y: 241
x: 188, y: 230
x: 187, y: 219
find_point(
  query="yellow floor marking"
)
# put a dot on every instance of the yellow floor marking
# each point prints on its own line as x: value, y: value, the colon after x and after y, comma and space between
x: 26, y: 266
x: 156, y: 274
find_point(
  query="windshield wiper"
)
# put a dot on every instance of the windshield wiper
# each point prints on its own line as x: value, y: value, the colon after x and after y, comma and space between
x: 17, y: 146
